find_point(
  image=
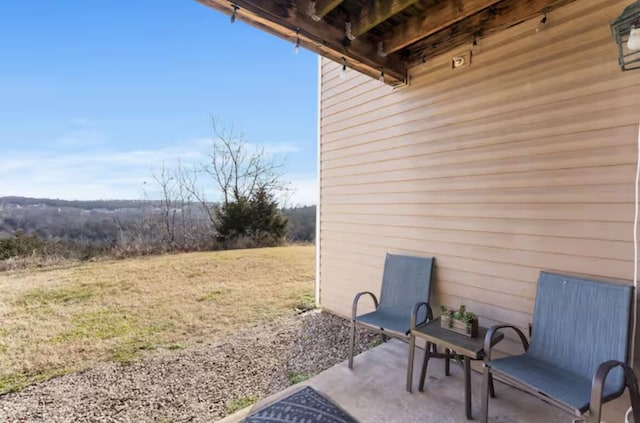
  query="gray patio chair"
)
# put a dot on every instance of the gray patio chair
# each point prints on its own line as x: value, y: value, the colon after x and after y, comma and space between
x: 579, y: 350
x: 404, y: 299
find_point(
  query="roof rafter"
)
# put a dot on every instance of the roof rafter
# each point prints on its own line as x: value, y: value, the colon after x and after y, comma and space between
x: 377, y: 12
x: 491, y: 20
x: 440, y: 16
x: 324, y: 7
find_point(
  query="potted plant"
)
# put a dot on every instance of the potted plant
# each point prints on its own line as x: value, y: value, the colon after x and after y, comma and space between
x: 460, y: 321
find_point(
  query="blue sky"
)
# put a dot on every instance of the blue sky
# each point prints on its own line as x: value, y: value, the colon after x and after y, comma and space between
x: 93, y: 94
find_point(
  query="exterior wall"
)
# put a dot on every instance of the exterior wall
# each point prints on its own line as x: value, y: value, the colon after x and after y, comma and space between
x: 521, y: 162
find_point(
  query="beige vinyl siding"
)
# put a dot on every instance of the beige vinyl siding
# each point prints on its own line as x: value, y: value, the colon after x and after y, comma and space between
x: 521, y: 162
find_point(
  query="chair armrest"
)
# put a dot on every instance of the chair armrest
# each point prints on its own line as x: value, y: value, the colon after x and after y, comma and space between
x: 597, y: 387
x: 488, y: 339
x: 414, y: 314
x: 354, y: 308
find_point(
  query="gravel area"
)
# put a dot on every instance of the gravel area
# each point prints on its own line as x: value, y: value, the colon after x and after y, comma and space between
x: 197, y: 384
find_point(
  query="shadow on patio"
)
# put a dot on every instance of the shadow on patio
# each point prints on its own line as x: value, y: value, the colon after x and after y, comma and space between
x: 375, y: 392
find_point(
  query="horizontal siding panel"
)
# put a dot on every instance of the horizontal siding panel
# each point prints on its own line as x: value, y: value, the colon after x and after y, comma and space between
x: 575, y: 229
x: 564, y: 194
x: 521, y: 157
x: 489, y: 148
x: 574, y: 108
x: 479, y: 237
x: 510, y: 264
x: 619, y: 269
x: 426, y: 143
x: 522, y: 162
x: 588, y: 121
x: 508, y: 212
x: 615, y: 174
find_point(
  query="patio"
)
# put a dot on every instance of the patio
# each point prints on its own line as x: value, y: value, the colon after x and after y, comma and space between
x: 375, y: 392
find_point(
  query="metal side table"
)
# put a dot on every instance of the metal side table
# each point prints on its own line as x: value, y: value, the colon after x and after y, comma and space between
x: 454, y: 345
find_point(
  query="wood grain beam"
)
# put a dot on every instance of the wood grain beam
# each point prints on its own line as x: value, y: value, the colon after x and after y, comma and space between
x: 377, y: 12
x: 434, y: 19
x: 498, y: 17
x: 324, y: 7
x: 285, y: 18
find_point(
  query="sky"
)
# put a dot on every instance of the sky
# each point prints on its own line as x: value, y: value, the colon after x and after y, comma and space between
x: 96, y: 95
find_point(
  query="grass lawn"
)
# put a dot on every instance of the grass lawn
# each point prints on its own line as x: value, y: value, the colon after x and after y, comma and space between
x: 56, y: 321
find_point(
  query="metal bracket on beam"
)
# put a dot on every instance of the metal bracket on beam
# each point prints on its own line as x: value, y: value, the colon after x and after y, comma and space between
x: 313, y: 13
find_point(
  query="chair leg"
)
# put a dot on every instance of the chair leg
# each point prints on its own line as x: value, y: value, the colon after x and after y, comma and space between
x: 486, y: 378
x: 412, y: 351
x: 423, y: 370
x: 492, y: 390
x: 352, y: 342
x: 447, y: 357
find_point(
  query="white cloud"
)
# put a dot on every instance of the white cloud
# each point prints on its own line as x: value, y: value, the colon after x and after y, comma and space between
x: 281, y: 148
x: 91, y: 174
x: 305, y: 190
x: 98, y: 173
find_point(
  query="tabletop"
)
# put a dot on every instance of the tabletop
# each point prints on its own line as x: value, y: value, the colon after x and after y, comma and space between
x: 469, y: 347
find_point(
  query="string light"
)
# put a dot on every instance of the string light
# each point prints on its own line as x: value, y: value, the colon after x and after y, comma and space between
x: 475, y: 40
x: 381, y: 79
x: 234, y: 13
x: 543, y: 22
x: 296, y: 49
x: 344, y: 68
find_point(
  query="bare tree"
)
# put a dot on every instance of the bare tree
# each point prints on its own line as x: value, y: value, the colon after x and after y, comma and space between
x: 239, y: 169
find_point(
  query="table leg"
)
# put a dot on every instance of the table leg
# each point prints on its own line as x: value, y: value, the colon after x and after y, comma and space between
x: 423, y: 370
x: 412, y: 349
x: 447, y: 356
x: 492, y: 390
x: 467, y: 387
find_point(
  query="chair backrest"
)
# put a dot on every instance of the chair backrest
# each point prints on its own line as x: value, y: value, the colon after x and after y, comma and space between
x: 405, y: 282
x: 579, y: 323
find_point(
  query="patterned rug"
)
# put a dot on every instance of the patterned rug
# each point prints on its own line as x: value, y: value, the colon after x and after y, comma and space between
x: 304, y: 406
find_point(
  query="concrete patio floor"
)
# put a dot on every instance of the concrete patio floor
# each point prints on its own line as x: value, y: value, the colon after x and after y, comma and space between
x: 375, y: 392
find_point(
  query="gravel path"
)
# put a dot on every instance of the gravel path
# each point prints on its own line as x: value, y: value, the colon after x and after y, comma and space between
x: 192, y: 385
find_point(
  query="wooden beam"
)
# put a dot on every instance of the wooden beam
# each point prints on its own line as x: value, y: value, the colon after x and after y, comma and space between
x: 434, y: 19
x: 323, y: 7
x: 285, y: 19
x: 377, y: 12
x: 498, y: 17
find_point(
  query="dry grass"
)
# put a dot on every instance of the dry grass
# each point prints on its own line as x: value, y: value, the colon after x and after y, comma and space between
x: 68, y: 319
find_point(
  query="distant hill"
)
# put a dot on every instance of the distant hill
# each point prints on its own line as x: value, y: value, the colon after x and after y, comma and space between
x: 84, y: 205
x: 104, y: 221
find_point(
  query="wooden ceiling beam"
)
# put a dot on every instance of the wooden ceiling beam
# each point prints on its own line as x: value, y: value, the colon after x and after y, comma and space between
x: 285, y: 18
x: 434, y: 19
x: 377, y: 12
x: 496, y: 18
x: 324, y: 7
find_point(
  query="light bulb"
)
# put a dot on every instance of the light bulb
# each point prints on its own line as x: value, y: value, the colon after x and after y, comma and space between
x: 296, y: 49
x: 233, y: 14
x: 634, y: 39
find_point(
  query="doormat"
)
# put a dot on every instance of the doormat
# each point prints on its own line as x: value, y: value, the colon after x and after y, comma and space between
x: 306, y: 405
